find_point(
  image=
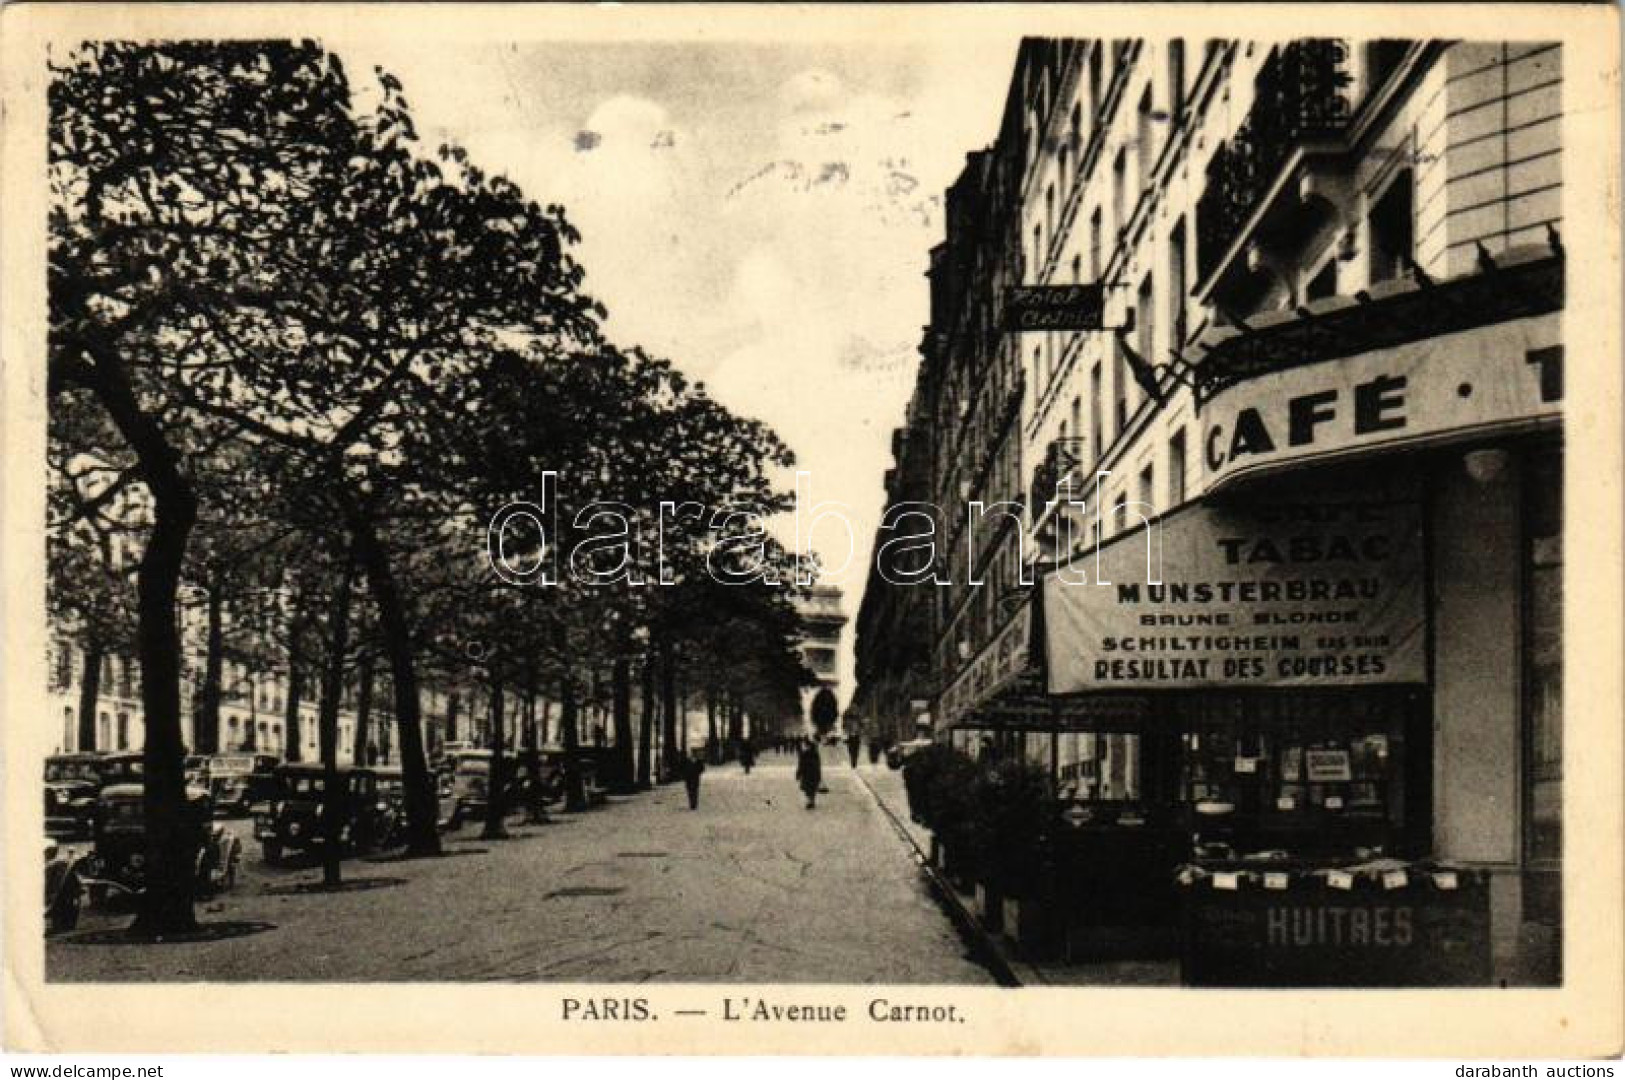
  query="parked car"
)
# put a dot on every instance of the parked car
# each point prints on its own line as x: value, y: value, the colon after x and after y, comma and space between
x: 63, y: 890
x: 552, y: 773
x: 392, y: 790
x: 240, y: 781
x: 123, y: 767
x: 293, y: 819
x: 899, y: 753
x: 471, y: 781
x: 72, y: 782
x: 118, y: 860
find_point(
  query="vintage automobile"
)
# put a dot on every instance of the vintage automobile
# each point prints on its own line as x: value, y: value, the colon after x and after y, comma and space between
x: 392, y: 790
x: 63, y: 890
x: 118, y: 861
x: 124, y: 767
x: 470, y: 782
x: 240, y: 781
x: 72, y: 782
x: 293, y: 820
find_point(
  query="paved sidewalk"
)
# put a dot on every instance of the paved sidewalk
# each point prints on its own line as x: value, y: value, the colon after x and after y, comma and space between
x: 752, y: 887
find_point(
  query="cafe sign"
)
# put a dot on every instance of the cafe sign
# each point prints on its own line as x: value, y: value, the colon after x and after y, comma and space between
x: 999, y: 664
x: 1499, y: 377
x: 1304, y: 595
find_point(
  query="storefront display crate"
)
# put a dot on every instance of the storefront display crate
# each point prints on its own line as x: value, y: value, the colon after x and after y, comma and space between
x: 1376, y: 924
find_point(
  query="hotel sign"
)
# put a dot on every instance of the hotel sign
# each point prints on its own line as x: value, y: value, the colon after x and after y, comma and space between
x: 1005, y: 658
x: 1451, y: 386
x: 1054, y: 307
x: 1318, y: 594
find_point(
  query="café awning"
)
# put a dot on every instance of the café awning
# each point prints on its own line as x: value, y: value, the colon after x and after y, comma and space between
x: 1312, y: 594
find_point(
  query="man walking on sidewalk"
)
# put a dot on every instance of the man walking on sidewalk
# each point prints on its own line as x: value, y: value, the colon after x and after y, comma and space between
x: 809, y: 771
x: 691, y: 768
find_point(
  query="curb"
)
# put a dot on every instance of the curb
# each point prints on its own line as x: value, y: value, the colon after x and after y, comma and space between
x: 983, y: 947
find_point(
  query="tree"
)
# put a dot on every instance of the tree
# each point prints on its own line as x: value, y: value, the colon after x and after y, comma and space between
x: 177, y: 173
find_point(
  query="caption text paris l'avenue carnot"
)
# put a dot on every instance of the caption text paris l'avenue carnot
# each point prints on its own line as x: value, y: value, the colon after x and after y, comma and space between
x: 758, y: 1009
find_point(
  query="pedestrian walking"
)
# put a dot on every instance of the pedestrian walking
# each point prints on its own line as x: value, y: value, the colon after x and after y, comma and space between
x: 747, y: 755
x: 853, y: 745
x: 692, y: 767
x: 809, y: 771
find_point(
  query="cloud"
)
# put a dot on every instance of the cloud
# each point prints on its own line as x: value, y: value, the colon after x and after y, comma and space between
x: 812, y: 89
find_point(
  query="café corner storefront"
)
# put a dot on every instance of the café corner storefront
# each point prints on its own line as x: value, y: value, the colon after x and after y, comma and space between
x: 1341, y: 673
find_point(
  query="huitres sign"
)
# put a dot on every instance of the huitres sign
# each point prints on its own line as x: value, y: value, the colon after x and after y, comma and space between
x: 1301, y: 595
x: 1054, y: 307
x: 1492, y: 378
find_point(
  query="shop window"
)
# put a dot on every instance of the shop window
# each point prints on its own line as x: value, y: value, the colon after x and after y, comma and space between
x: 1543, y: 661
x: 1393, y: 242
x: 1099, y: 766
x: 1313, y: 774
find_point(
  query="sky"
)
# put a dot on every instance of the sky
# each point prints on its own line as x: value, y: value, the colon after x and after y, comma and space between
x: 760, y: 214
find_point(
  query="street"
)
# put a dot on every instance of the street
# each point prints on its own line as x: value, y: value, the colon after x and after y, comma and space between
x: 751, y: 887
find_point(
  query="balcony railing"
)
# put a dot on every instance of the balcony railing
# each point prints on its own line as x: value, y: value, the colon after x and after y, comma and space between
x: 1300, y: 97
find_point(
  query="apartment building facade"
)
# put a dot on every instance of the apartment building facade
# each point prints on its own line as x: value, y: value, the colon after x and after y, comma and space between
x: 1320, y: 433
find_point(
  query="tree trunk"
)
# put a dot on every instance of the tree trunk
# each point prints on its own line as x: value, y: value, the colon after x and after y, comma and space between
x: 575, y: 794
x: 536, y: 806
x: 206, y: 728
x: 327, y: 733
x: 293, y: 741
x: 363, y: 712
x: 495, y: 780
x: 711, y: 726
x: 166, y: 904
x: 646, y: 727
x: 90, y: 690
x: 668, y: 710
x: 422, y: 803
x: 621, y: 701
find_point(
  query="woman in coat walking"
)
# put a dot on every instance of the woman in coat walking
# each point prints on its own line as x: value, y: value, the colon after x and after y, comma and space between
x: 809, y: 770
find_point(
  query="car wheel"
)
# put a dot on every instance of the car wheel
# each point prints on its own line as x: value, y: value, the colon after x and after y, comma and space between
x: 271, y: 853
